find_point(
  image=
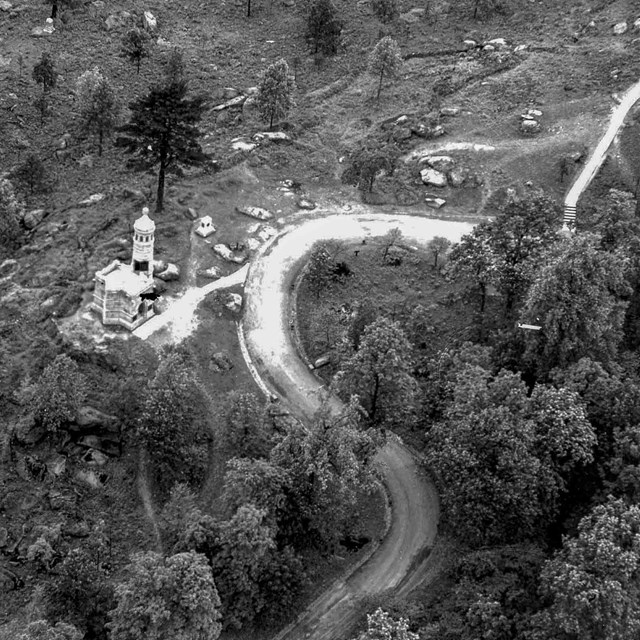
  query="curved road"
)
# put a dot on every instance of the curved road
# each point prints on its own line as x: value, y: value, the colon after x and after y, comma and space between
x: 403, y: 556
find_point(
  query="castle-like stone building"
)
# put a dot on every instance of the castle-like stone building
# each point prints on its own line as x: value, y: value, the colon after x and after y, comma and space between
x: 123, y: 293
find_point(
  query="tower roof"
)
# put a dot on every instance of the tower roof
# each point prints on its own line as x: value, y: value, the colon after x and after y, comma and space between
x: 144, y: 224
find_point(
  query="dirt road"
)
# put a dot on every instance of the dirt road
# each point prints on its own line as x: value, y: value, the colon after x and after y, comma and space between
x: 403, y: 556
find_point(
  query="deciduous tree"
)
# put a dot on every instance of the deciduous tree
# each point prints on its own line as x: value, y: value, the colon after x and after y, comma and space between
x: 59, y: 392
x: 385, y: 61
x: 171, y: 598
x: 437, y: 248
x: 382, y: 626
x: 379, y: 374
x: 594, y: 580
x: 43, y: 630
x: 503, y: 458
x: 243, y: 427
x: 163, y: 131
x: 11, y: 235
x: 366, y: 164
x: 319, y: 269
x: 579, y: 300
x: 275, y: 92
x: 97, y: 104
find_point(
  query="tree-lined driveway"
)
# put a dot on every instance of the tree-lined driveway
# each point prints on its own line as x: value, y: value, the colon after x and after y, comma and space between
x: 402, y: 557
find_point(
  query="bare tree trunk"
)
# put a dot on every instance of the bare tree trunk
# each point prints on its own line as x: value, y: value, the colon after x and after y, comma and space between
x: 160, y: 192
x: 248, y: 8
x: 380, y: 84
x: 100, y: 139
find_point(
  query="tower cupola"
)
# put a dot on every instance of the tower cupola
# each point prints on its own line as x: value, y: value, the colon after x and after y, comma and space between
x: 143, y: 237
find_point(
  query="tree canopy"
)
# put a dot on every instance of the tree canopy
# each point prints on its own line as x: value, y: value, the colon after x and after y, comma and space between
x: 275, y: 92
x: 385, y: 61
x: 172, y: 598
x: 163, y: 131
x: 324, y: 26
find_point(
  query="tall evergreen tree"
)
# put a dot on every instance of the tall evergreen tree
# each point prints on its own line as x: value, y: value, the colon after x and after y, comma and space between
x: 163, y: 130
x: 44, y: 72
x: 324, y: 27
x: 135, y: 46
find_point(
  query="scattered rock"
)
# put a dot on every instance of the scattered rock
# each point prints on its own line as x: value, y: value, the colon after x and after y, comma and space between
x: 433, y: 178
x: 39, y: 32
x: 134, y: 194
x: 220, y: 361
x: 230, y: 92
x: 470, y: 44
x: 4, y: 62
x: 56, y: 465
x: 171, y: 273
x: 266, y: 233
x: 441, y: 163
x: 191, y: 213
x: 205, y: 228
x: 234, y: 102
x: 272, y: 136
x: 402, y: 120
x: 412, y: 16
x: 401, y: 133
x: 90, y: 419
x: 149, y: 22
x: 118, y: 20
x: 303, y: 203
x: 58, y: 500
x: 86, y: 161
x: 636, y: 24
x: 437, y: 131
x: 90, y: 478
x: 457, y: 177
x: 164, y: 44
x: 33, y: 218
x: 27, y: 431
x: 234, y: 302
x: 227, y: 254
x: 434, y: 202
x: 576, y: 156
x: 212, y: 273
x: 253, y: 244
x: 449, y: 111
x: 520, y: 48
x: 530, y: 126
x: 93, y: 199
x: 95, y: 457
x: 159, y: 266
x: 255, y: 212
x: 242, y: 145
x: 620, y: 28
x: 5, y: 5
x: 488, y: 48
x: 497, y: 42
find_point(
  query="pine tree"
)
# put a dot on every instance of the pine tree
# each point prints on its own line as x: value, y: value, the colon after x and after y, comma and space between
x: 385, y: 10
x: 385, y: 60
x: 98, y: 105
x: 324, y: 27
x: 44, y: 72
x: 163, y: 130
x: 135, y: 46
x: 274, y: 98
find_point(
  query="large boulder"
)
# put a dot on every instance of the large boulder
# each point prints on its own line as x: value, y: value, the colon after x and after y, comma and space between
x: 530, y: 126
x: 33, y: 218
x: 149, y: 22
x: 234, y: 302
x: 441, y: 163
x: 171, y: 273
x: 457, y: 177
x: 91, y: 420
x: 255, y: 212
x: 620, y: 28
x: 433, y: 178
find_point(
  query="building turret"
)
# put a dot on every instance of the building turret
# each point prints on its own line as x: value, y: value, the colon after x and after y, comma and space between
x: 143, y: 236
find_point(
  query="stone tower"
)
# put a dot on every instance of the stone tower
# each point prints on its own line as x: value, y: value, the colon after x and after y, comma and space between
x: 143, y: 236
